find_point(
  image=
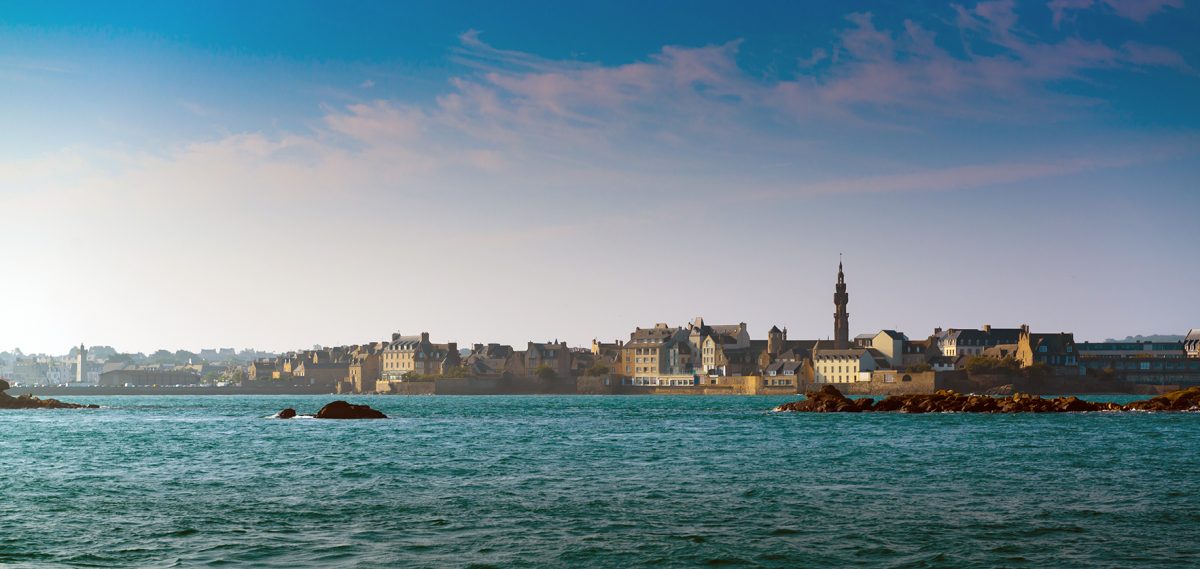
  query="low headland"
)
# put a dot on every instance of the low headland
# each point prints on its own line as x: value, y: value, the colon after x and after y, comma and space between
x: 829, y: 400
x: 30, y: 402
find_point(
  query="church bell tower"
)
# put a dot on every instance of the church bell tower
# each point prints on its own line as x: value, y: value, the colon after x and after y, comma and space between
x: 841, y: 318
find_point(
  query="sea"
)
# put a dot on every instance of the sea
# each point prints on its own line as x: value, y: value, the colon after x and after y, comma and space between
x: 591, y: 481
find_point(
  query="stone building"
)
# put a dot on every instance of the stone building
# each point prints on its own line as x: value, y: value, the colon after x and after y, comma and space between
x: 487, y: 360
x: 555, y: 356
x: 416, y: 355
x: 648, y: 352
x: 363, y: 370
x: 1055, y: 350
x: 955, y: 342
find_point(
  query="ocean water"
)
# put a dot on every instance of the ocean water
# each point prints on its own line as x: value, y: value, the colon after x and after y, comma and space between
x: 574, y: 481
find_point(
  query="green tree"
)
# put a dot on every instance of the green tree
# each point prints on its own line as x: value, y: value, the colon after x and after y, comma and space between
x: 981, y: 365
x: 919, y: 368
x: 545, y: 372
x: 597, y: 369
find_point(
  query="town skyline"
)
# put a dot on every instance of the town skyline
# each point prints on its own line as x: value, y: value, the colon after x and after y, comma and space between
x: 841, y: 333
x: 191, y: 176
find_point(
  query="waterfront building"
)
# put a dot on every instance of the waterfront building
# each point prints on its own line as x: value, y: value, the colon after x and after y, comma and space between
x: 917, y: 352
x: 417, y: 355
x: 1155, y: 363
x: 363, y: 370
x: 555, y: 356
x: 488, y: 359
x: 310, y: 372
x: 833, y: 365
x: 1055, y: 350
x: 260, y: 369
x: 956, y: 342
x: 1191, y: 343
x: 1109, y: 350
x: 890, y: 343
x: 712, y: 342
x: 141, y: 377
x: 655, y: 352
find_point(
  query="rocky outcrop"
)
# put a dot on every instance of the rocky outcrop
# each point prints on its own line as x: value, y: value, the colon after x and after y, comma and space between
x: 344, y: 410
x: 1185, y: 400
x: 286, y: 414
x: 28, y: 401
x: 829, y: 400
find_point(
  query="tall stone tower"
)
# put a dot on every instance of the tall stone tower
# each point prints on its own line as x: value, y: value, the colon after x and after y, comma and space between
x: 775, y: 340
x: 841, y: 318
x: 81, y: 365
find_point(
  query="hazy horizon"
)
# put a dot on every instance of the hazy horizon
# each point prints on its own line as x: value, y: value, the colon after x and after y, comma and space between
x: 278, y: 175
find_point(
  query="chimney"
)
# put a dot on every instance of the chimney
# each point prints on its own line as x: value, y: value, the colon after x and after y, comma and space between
x: 424, y: 337
x: 478, y: 347
x: 395, y: 336
x: 987, y: 327
x: 937, y: 331
x: 1025, y: 328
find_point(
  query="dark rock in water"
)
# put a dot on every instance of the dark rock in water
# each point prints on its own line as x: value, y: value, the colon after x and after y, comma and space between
x: 286, y: 414
x: 28, y: 401
x: 826, y: 400
x: 829, y: 400
x: 344, y: 410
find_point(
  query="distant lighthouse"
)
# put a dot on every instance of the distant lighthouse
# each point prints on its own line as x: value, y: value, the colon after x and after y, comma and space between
x: 81, y: 364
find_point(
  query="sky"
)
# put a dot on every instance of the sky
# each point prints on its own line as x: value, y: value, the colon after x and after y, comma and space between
x: 280, y: 174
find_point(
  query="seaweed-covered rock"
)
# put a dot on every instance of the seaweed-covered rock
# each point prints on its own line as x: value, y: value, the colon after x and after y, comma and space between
x: 286, y: 414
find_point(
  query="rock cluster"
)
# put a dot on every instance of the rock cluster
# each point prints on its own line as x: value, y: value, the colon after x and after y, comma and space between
x: 28, y: 401
x: 1184, y: 400
x: 338, y: 410
x: 829, y: 400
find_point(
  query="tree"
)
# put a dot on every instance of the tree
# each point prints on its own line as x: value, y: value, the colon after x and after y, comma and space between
x: 981, y: 365
x: 545, y: 372
x: 918, y: 368
x: 1038, y: 371
x: 120, y: 359
x: 597, y: 369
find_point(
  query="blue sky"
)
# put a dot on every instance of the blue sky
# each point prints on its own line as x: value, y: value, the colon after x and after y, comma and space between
x: 278, y: 174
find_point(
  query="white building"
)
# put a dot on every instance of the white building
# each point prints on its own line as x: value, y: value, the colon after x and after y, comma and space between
x: 846, y: 366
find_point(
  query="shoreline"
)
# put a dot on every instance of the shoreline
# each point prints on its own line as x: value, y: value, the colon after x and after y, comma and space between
x: 217, y: 391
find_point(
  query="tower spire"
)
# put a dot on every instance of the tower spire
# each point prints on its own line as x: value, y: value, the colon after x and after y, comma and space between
x: 841, y: 318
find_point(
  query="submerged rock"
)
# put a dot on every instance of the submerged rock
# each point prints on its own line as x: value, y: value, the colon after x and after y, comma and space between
x: 829, y: 400
x: 286, y: 414
x: 28, y: 401
x: 345, y: 410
